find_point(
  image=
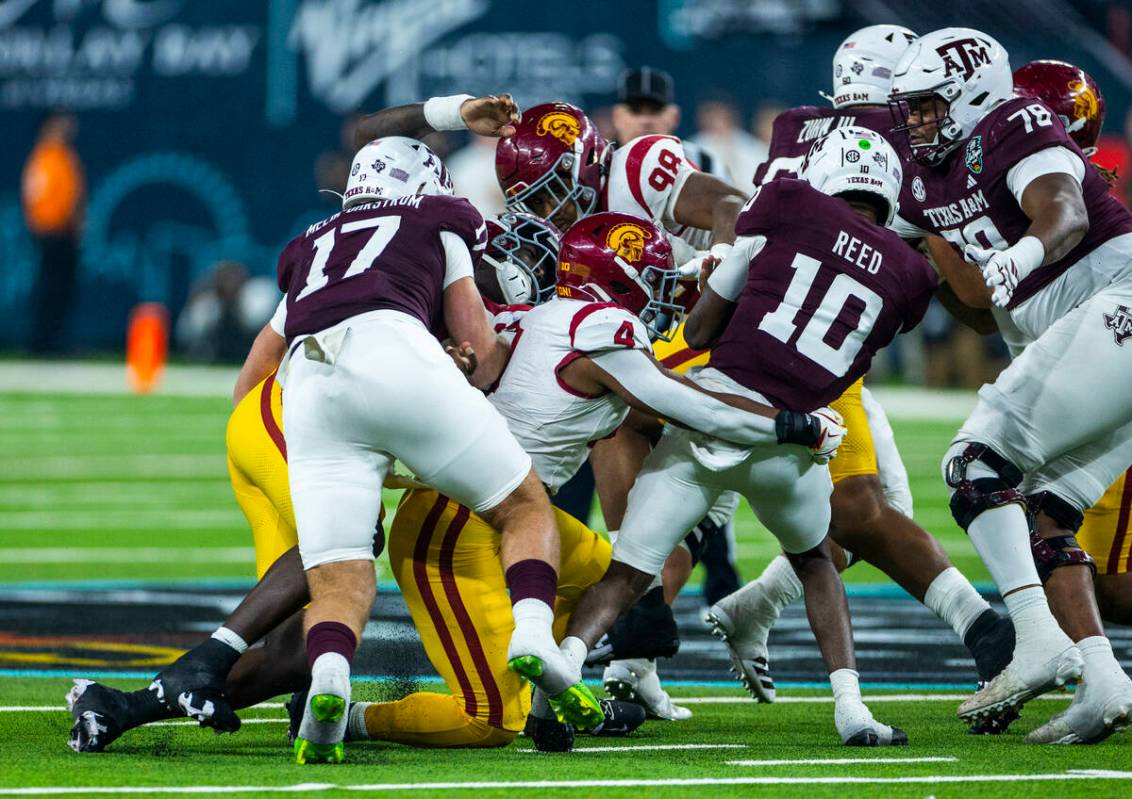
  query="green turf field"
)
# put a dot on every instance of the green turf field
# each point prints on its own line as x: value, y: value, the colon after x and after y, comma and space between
x: 112, y: 488
x: 117, y: 487
x: 727, y: 749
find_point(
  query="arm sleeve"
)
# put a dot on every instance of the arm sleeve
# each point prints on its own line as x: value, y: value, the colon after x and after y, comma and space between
x: 905, y: 229
x: 682, y: 403
x: 730, y: 276
x: 279, y: 318
x: 1051, y: 160
x: 457, y: 257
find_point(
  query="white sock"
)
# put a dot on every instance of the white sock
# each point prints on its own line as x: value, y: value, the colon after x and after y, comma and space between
x: 846, y: 685
x: 533, y: 616
x: 1100, y: 662
x: 224, y: 635
x: 955, y: 601
x: 766, y: 596
x: 574, y: 649
x: 357, y: 722
x: 330, y: 673
x: 1001, y: 536
x: 1031, y: 615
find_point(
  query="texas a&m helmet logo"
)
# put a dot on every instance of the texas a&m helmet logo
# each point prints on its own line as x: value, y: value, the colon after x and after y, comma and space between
x: 1120, y: 323
x: 963, y: 56
x: 628, y: 241
x: 561, y: 125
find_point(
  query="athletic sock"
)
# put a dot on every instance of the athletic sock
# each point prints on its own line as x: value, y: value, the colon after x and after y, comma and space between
x: 1100, y: 662
x: 951, y: 597
x: 1001, y: 536
x: 1031, y: 615
x: 765, y: 597
x: 231, y: 638
x: 532, y: 579
x: 327, y: 639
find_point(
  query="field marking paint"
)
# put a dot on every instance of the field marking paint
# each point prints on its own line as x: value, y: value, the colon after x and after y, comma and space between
x: 311, y: 787
x: 835, y: 761
x: 649, y: 747
x: 191, y: 723
x: 59, y: 708
x: 129, y: 555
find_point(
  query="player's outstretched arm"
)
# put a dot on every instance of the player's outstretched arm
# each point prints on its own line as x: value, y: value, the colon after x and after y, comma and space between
x: 467, y: 324
x: 708, y: 203
x: 491, y: 115
x: 267, y: 351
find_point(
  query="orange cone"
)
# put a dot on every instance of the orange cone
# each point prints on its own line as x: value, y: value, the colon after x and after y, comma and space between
x: 147, y: 343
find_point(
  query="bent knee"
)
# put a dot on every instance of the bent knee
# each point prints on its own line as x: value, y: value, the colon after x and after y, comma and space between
x: 857, y: 504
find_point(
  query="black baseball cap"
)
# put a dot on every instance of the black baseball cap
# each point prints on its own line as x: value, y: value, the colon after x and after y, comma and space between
x: 645, y: 84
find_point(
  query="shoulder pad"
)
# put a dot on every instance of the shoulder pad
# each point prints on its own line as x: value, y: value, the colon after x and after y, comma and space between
x: 643, y: 174
x: 1020, y: 128
x: 603, y: 326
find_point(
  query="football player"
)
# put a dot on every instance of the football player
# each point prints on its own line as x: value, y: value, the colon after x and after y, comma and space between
x: 869, y: 522
x: 793, y: 315
x: 1000, y: 179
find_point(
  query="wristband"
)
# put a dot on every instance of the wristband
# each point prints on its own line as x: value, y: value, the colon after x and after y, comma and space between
x: 794, y: 427
x: 721, y: 250
x: 1027, y: 255
x: 443, y: 113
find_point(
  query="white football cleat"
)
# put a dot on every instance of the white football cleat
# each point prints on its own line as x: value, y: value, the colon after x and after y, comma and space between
x: 1098, y: 711
x: 747, y: 646
x: 1028, y: 675
x: 637, y: 681
x: 857, y: 727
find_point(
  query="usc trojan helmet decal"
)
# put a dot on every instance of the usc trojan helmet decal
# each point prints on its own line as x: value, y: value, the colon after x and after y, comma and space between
x: 1084, y: 100
x: 560, y: 125
x: 628, y: 241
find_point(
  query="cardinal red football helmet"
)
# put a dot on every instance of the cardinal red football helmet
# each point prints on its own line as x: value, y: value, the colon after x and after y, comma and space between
x: 519, y: 264
x: 624, y: 259
x: 1070, y: 92
x: 555, y: 159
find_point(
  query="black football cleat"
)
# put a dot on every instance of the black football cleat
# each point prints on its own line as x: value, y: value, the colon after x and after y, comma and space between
x: 991, y: 643
x: 645, y: 631
x: 193, y: 685
x: 99, y: 715
x: 549, y: 735
x: 621, y: 718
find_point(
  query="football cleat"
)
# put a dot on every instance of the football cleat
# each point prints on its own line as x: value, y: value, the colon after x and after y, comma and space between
x: 990, y: 641
x: 646, y: 630
x: 857, y: 727
x: 98, y: 713
x: 1097, y: 712
x: 637, y: 681
x: 193, y: 685
x: 1020, y: 682
x: 569, y: 698
x: 621, y: 718
x: 748, y: 652
x: 549, y: 735
x: 321, y: 731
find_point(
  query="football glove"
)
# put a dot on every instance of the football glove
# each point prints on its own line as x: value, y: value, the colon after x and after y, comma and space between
x: 1003, y: 270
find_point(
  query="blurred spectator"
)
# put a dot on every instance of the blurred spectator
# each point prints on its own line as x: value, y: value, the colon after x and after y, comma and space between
x: 762, y: 122
x: 224, y: 312
x: 647, y: 105
x: 956, y: 356
x: 602, y: 117
x: 473, y: 175
x: 719, y: 130
x: 332, y: 167
x: 54, y: 196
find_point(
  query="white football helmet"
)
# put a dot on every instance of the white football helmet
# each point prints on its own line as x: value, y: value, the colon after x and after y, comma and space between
x: 395, y: 166
x: 855, y: 160
x: 863, y: 64
x: 966, y: 69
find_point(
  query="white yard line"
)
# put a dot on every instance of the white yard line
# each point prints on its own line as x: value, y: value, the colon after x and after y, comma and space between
x: 841, y: 761
x: 785, y: 700
x: 59, y: 708
x: 191, y: 723
x: 648, y: 748
x: 128, y: 555
x: 311, y: 787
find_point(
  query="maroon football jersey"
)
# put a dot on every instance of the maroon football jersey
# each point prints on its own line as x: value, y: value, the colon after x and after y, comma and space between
x: 382, y: 254
x: 967, y: 200
x: 796, y: 130
x: 827, y: 292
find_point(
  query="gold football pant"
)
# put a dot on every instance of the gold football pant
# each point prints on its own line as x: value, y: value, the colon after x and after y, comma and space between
x: 446, y: 561
x: 1105, y: 534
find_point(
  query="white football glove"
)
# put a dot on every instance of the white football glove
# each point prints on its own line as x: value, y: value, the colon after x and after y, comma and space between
x: 1003, y: 270
x: 832, y: 430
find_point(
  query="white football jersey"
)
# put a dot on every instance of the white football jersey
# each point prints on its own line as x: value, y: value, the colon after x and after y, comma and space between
x: 552, y: 422
x: 646, y: 176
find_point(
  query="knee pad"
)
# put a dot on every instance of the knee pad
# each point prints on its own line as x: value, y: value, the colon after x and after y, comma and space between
x: 1053, y: 553
x: 972, y: 497
x: 1065, y: 515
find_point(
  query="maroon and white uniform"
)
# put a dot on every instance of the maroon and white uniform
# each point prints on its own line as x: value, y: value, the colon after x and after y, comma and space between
x: 1062, y: 411
x: 796, y: 130
x: 368, y: 381
x: 818, y: 292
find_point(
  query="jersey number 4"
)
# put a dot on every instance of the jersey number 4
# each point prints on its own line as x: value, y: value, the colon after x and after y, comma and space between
x: 384, y: 229
x: 811, y: 343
